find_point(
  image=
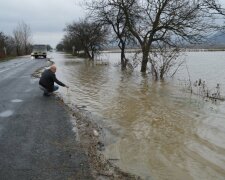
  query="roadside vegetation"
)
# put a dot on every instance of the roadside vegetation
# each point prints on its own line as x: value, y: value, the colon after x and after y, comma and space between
x: 154, y: 27
x: 17, y: 44
x: 87, y: 36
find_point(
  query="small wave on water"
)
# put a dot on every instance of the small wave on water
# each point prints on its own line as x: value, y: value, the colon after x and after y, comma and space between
x: 155, y: 129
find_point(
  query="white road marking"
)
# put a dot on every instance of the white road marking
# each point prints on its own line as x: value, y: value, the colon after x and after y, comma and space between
x: 28, y: 90
x: 16, y: 100
x: 5, y: 70
x: 13, y: 66
x: 6, y: 113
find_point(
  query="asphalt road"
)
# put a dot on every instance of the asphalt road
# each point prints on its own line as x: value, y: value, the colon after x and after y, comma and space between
x: 36, y: 137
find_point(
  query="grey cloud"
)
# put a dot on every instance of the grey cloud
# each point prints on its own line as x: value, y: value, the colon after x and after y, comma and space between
x: 43, y: 16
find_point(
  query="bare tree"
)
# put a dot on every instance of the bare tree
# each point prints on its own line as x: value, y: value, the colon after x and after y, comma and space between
x: 165, y: 60
x: 91, y: 36
x: 7, y: 46
x: 18, y: 41
x: 69, y: 40
x: 60, y: 46
x: 169, y: 21
x: 3, y: 44
x: 215, y: 7
x: 2, y: 39
x: 22, y: 37
x: 105, y: 12
x: 26, y: 36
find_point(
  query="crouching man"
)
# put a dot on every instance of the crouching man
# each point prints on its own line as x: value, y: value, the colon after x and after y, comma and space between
x: 47, y: 80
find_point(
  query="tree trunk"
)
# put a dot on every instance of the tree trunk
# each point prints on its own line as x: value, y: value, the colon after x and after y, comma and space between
x: 17, y: 50
x: 145, y: 53
x: 92, y: 55
x: 123, y: 58
x: 26, y: 49
x: 162, y: 72
x: 87, y: 53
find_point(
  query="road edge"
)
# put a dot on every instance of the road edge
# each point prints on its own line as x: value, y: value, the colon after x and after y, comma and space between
x: 89, y: 134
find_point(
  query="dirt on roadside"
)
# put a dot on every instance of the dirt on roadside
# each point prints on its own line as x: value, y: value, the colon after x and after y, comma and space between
x: 89, y: 138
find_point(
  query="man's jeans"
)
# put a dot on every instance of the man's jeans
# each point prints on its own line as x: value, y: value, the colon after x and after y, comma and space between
x: 46, y: 92
x: 55, y: 88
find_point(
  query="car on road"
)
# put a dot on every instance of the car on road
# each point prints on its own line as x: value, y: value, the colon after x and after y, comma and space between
x: 39, y: 50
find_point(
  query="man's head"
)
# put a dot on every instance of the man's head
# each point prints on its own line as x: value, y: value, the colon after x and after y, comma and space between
x: 53, y: 68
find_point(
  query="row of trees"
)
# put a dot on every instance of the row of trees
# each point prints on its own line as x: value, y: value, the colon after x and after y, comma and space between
x: 17, y: 44
x: 165, y: 25
x: 84, y: 35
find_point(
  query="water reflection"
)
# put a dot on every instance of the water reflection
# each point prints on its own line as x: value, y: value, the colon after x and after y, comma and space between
x: 157, y: 131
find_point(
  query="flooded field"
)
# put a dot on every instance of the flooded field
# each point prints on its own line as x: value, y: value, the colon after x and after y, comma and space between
x: 153, y: 129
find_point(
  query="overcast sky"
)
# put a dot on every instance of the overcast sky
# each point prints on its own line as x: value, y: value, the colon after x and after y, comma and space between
x: 46, y: 18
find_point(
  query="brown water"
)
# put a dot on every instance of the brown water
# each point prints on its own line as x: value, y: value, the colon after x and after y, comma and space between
x: 153, y: 129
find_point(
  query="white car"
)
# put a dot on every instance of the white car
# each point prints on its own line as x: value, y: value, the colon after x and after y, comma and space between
x: 39, y: 50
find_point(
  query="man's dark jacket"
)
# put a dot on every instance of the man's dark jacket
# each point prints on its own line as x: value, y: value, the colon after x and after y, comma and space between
x: 47, y: 80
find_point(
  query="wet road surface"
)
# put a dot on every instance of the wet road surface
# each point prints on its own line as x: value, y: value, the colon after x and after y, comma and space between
x: 36, y: 137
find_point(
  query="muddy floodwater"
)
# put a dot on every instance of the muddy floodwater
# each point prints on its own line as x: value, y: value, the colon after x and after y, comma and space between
x: 153, y: 129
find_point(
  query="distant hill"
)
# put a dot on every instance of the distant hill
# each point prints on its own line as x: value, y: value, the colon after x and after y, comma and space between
x: 217, y: 39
